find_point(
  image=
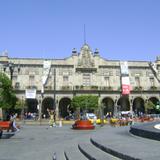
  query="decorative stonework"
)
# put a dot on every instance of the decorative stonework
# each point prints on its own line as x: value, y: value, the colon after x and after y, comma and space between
x: 86, y: 57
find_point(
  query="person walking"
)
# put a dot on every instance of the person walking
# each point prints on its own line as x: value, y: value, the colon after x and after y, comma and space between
x: 51, y: 117
x: 13, y: 122
x: 54, y: 118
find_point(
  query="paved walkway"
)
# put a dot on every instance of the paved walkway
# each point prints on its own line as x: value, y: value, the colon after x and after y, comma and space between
x: 40, y: 142
x: 35, y: 142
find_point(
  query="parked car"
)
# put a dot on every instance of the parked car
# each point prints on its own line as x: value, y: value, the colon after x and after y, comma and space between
x: 93, y: 118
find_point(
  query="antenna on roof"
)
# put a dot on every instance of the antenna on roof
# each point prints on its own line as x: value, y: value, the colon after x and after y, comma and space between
x: 84, y: 34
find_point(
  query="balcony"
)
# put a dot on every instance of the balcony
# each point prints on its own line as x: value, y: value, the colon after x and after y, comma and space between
x: 138, y: 88
x: 86, y: 87
x: 17, y: 85
x: 48, y: 87
x: 66, y: 88
x: 106, y: 88
x: 31, y: 87
x: 153, y: 88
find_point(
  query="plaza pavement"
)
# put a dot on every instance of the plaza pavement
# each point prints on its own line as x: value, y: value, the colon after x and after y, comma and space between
x: 35, y: 142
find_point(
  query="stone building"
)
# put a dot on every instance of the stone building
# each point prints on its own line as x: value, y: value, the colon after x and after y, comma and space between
x: 51, y: 83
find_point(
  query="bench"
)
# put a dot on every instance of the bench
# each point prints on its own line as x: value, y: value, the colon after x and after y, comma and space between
x: 4, y: 125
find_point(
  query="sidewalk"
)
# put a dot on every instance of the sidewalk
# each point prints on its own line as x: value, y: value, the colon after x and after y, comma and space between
x: 43, y: 122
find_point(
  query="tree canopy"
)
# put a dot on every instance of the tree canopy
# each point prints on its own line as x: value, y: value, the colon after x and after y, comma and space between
x: 85, y: 102
x: 7, y: 94
x: 149, y: 106
x: 20, y: 104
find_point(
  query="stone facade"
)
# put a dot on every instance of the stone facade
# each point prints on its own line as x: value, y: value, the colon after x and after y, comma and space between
x: 84, y: 73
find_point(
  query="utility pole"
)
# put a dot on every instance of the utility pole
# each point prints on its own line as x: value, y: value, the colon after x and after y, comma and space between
x: 54, y: 89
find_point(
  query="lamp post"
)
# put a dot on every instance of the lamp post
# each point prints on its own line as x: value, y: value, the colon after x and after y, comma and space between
x: 22, y: 113
x: 146, y: 104
x: 115, y: 107
x: 131, y: 106
x: 11, y: 67
x: 1, y: 115
x: 54, y: 88
x: 40, y: 109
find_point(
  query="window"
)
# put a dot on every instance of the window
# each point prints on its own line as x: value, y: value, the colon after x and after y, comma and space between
x: 14, y: 78
x: 65, y: 78
x: 152, y: 81
x: 17, y: 85
x: 137, y: 80
x: 49, y: 81
x: 107, y: 83
x: 31, y: 80
x: 86, y: 79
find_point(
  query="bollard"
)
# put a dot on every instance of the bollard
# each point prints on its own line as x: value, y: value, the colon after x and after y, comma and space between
x: 1, y: 132
x: 60, y: 123
x: 54, y: 156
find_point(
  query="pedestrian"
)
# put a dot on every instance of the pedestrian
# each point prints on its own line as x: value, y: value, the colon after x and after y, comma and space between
x: 51, y: 116
x: 13, y: 122
x: 54, y: 117
x: 1, y: 132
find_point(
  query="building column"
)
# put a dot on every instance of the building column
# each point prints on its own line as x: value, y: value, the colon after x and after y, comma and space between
x: 131, y: 105
x: 115, y: 107
x: 57, y: 108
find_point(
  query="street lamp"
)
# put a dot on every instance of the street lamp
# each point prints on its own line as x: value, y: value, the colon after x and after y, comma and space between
x: 115, y: 107
x: 54, y: 88
x: 40, y: 108
x: 23, y: 113
x: 11, y: 67
x: 131, y: 106
x: 1, y: 90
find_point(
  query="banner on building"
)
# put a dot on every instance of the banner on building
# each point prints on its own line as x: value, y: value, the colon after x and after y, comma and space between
x: 124, y: 68
x: 46, y: 71
x: 31, y: 93
x: 126, y: 85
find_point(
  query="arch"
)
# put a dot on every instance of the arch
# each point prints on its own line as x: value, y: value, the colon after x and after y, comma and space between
x: 65, y: 109
x: 48, y: 102
x: 123, y: 103
x: 109, y: 105
x: 138, y: 105
x: 154, y: 100
x: 32, y: 105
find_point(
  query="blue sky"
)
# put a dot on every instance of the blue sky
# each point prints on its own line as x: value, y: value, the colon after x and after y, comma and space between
x: 120, y: 29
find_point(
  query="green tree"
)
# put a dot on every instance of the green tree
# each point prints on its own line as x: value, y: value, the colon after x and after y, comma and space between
x: 20, y: 104
x: 84, y: 103
x: 7, y: 95
x: 20, y: 107
x: 149, y: 106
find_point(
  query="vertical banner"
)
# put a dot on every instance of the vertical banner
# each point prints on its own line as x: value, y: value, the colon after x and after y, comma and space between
x: 125, y: 85
x: 124, y: 68
x: 125, y: 78
x: 46, y: 71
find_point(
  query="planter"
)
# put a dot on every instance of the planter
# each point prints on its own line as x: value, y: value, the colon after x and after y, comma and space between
x: 83, y: 125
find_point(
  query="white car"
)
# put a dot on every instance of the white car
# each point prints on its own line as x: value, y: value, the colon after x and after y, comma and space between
x: 91, y: 116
